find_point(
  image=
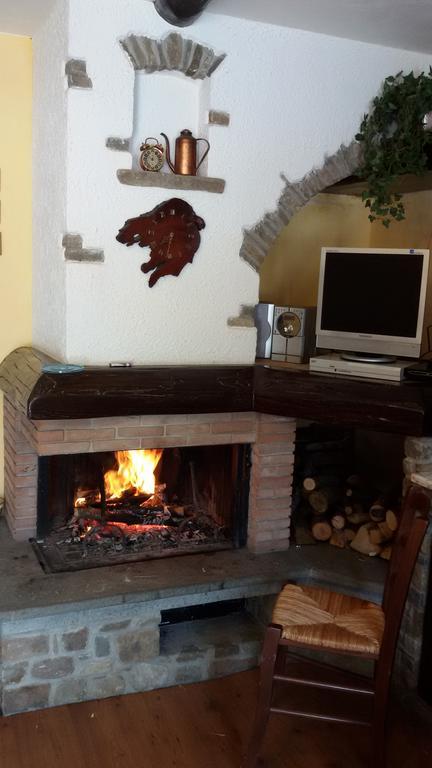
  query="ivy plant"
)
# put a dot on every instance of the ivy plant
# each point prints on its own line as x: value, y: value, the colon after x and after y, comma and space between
x: 394, y: 142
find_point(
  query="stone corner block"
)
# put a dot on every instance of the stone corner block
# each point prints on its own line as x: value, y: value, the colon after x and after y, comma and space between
x: 216, y: 117
x: 15, y: 700
x: 117, y: 144
x: 76, y: 71
x: 74, y: 251
x: 246, y: 318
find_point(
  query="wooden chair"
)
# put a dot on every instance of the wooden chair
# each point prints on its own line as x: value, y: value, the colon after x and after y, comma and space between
x: 313, y: 618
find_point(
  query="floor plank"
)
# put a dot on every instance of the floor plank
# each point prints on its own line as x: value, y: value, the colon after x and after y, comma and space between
x: 196, y: 726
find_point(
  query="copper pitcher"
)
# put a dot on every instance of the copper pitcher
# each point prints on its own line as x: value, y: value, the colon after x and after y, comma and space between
x: 185, y: 162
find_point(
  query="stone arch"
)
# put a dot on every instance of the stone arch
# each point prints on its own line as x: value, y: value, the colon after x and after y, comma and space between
x: 258, y: 240
x: 173, y: 52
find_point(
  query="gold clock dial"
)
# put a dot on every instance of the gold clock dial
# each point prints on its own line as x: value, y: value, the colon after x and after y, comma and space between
x: 152, y: 159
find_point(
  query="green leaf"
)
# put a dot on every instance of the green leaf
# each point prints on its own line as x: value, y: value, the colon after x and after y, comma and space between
x: 394, y: 142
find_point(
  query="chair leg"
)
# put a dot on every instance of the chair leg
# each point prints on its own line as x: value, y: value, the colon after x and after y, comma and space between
x: 262, y: 712
x: 379, y: 726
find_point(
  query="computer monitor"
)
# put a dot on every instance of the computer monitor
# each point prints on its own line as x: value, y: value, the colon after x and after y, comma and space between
x: 372, y: 300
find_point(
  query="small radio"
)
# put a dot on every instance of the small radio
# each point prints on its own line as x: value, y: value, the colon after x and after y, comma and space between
x: 285, y: 333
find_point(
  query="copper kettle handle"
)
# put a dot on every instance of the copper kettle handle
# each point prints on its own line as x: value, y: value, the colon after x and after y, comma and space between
x: 205, y: 153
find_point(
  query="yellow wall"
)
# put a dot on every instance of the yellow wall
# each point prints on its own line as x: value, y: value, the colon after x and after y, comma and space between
x: 290, y: 271
x: 289, y: 274
x: 15, y: 197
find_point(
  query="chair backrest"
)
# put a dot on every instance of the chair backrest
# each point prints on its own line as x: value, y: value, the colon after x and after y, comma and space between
x: 406, y: 546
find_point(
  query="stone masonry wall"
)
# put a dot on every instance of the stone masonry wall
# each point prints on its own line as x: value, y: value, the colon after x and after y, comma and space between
x: 92, y: 654
x: 272, y: 437
x: 418, y: 461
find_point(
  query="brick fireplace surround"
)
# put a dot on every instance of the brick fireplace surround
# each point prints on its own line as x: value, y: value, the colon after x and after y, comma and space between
x: 64, y: 646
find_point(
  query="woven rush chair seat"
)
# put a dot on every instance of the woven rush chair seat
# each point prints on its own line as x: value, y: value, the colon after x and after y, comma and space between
x: 323, y: 619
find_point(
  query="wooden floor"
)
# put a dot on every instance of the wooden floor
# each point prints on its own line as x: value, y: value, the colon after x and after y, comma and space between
x: 196, y: 726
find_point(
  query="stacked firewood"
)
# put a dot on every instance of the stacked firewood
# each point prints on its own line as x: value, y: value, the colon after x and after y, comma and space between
x: 346, y: 514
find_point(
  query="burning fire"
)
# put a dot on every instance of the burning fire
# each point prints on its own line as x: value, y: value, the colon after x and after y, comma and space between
x: 135, y: 473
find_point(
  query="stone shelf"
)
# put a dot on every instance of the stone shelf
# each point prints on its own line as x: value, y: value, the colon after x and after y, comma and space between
x: 409, y: 182
x: 170, y: 181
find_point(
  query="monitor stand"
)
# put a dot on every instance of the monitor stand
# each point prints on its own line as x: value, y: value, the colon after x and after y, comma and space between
x: 367, y: 357
x: 335, y: 364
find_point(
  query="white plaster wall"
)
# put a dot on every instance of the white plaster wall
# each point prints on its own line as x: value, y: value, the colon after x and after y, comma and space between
x: 49, y: 181
x: 293, y: 97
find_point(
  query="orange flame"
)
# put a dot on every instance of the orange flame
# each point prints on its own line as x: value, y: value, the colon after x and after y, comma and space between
x: 135, y: 473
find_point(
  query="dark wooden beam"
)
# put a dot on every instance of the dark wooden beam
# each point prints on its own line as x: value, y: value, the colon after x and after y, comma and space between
x: 180, y: 13
x: 404, y: 408
x: 99, y: 392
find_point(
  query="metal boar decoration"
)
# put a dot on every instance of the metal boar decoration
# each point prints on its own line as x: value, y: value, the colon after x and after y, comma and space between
x: 171, y: 230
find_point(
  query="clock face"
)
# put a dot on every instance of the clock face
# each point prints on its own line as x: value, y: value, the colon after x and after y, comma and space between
x: 152, y: 159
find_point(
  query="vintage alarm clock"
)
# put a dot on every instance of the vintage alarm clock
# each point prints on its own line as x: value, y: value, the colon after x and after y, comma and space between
x: 152, y: 156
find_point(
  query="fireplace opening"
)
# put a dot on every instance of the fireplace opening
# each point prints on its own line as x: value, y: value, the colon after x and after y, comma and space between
x: 114, y: 507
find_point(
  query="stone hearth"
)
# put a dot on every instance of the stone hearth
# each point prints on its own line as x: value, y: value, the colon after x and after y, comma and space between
x: 72, y: 637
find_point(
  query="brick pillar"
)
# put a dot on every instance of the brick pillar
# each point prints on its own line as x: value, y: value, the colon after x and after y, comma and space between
x: 271, y: 484
x: 20, y: 476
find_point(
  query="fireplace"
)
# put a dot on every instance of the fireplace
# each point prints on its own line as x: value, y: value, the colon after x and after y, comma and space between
x: 65, y: 435
x: 96, y: 509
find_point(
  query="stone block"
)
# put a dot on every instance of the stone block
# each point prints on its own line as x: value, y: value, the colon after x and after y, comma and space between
x: 138, y: 646
x: 69, y: 692
x: 146, y: 677
x: 26, y: 698
x: 216, y: 117
x: 191, y: 653
x: 96, y: 668
x: 51, y: 669
x: 76, y: 71
x: 102, y: 646
x: 117, y: 144
x: 226, y: 650
x: 21, y: 648
x: 14, y: 674
x: 419, y: 448
x: 191, y: 673
x: 102, y: 687
x: 222, y: 667
x: 115, y: 626
x: 75, y: 641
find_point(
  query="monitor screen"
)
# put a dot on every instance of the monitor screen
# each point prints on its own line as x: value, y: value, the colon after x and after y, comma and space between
x: 371, y: 292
